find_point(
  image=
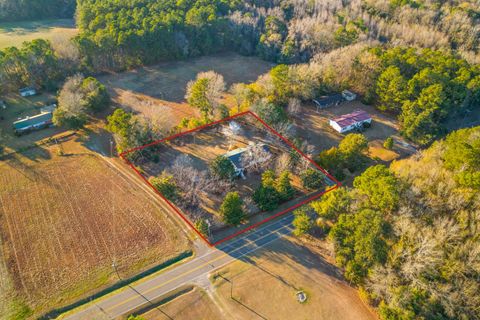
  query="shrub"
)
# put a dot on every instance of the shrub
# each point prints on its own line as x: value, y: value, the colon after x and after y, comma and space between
x: 312, y: 179
x: 202, y: 226
x: 284, y: 187
x: 232, y: 209
x: 266, y: 197
x: 165, y: 185
x: 222, y: 168
x: 388, y: 144
x: 302, y: 222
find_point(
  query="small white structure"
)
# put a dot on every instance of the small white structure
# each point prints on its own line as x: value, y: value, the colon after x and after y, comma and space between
x: 28, y: 91
x: 348, y: 95
x: 351, y: 121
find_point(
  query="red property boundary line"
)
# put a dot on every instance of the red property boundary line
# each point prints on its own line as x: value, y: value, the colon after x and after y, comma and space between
x: 182, y: 216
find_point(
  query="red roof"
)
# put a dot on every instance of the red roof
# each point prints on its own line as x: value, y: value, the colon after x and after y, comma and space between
x: 352, y: 118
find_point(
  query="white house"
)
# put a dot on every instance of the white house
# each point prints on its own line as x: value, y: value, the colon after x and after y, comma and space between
x: 28, y: 91
x: 351, y: 121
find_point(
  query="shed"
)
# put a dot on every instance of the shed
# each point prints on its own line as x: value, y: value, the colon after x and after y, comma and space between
x: 328, y: 101
x: 351, y: 121
x: 28, y: 91
x: 39, y: 121
x: 348, y: 95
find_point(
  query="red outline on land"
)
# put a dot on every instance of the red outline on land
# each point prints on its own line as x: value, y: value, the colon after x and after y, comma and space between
x: 182, y: 216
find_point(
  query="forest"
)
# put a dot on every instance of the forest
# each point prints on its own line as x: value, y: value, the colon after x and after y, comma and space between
x: 127, y: 33
x: 407, y: 235
x: 18, y: 10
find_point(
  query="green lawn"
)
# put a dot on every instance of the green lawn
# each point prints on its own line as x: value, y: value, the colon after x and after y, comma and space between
x: 15, y: 33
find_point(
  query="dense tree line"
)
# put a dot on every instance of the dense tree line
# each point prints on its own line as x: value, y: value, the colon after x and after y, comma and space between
x: 16, y: 10
x: 408, y: 235
x: 119, y: 34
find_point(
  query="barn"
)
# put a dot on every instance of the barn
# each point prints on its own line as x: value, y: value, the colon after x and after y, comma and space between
x: 351, y: 121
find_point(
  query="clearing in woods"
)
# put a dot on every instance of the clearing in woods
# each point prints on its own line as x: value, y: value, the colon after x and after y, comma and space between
x: 158, y: 91
x: 13, y: 34
x: 64, y: 219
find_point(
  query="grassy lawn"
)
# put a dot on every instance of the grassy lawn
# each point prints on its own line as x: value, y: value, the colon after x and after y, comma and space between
x: 158, y: 91
x: 63, y: 219
x: 13, y: 34
x: 195, y: 304
x: 265, y: 286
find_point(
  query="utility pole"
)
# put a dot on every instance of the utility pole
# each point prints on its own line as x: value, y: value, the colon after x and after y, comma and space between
x: 114, y: 266
x: 209, y: 230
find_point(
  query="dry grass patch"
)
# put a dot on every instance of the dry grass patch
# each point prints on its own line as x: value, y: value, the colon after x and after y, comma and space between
x: 195, y: 304
x: 13, y: 34
x: 376, y: 150
x: 63, y: 219
x: 265, y: 286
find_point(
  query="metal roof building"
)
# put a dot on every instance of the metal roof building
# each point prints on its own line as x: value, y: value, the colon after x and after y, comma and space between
x: 350, y: 121
x: 38, y: 121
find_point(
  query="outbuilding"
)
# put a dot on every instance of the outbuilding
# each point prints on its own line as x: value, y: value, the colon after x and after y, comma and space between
x: 328, y: 101
x: 39, y: 121
x: 351, y: 121
x: 28, y: 91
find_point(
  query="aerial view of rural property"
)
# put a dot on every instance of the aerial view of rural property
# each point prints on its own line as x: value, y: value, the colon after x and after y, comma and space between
x: 239, y: 159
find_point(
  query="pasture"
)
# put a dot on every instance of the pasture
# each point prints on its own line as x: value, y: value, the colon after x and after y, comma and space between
x: 158, y: 91
x: 13, y: 34
x: 65, y: 216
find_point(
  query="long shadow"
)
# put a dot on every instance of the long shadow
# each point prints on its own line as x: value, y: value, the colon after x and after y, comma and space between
x: 153, y: 305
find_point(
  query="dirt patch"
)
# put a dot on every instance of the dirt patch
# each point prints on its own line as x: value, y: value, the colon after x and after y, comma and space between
x: 265, y: 286
x: 64, y: 219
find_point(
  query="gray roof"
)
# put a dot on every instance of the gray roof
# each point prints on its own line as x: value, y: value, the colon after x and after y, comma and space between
x: 34, y: 120
x: 328, y: 100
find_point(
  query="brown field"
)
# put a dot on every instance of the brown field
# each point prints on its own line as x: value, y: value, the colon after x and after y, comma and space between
x: 158, y: 91
x: 64, y: 219
x: 265, y: 286
x: 203, y: 147
x: 195, y: 304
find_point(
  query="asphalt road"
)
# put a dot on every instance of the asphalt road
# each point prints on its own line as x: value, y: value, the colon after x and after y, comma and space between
x: 140, y: 295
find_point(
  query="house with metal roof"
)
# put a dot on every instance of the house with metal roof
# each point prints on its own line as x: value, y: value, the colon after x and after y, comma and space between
x: 347, y: 122
x: 236, y: 158
x: 39, y: 121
